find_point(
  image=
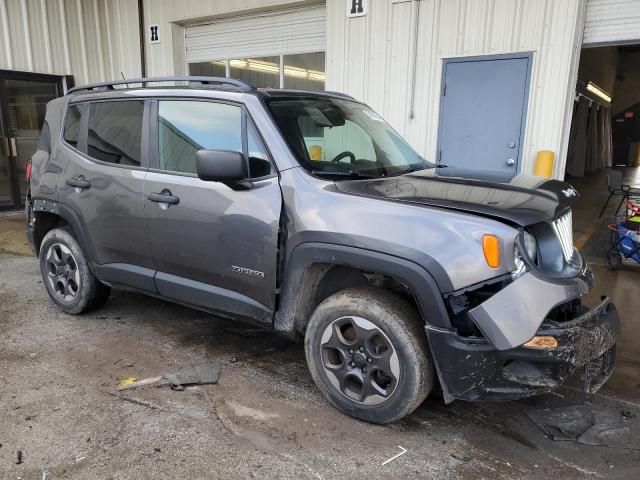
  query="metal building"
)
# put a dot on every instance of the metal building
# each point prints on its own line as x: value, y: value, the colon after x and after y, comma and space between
x: 472, y: 83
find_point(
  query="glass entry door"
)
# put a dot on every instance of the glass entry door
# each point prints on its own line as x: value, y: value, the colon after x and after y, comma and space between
x: 23, y: 101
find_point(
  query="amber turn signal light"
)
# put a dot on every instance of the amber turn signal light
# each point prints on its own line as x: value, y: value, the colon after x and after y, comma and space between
x: 542, y: 343
x: 491, y: 249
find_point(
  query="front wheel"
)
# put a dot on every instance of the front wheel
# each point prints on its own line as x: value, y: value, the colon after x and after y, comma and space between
x: 368, y: 354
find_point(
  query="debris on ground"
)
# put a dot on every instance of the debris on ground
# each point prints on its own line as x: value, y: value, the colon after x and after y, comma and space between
x: 589, y: 425
x: 204, y: 374
x: 404, y: 450
x: 19, y: 453
x: 194, y: 375
x: 127, y: 382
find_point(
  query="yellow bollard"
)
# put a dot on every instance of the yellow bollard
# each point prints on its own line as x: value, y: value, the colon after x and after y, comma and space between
x: 315, y: 153
x: 544, y: 163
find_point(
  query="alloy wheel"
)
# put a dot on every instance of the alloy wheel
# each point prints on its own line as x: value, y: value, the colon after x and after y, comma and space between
x: 62, y: 272
x: 360, y: 360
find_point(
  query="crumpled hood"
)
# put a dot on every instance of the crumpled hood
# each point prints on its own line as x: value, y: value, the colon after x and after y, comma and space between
x: 523, y: 199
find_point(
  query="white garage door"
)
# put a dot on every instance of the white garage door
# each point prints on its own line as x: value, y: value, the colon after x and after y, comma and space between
x: 612, y: 22
x: 281, y: 32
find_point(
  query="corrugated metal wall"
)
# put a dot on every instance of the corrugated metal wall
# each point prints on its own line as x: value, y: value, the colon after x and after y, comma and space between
x: 92, y: 40
x: 371, y: 58
x: 612, y: 22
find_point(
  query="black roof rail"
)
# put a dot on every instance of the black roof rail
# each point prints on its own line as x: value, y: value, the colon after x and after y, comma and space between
x: 214, y: 81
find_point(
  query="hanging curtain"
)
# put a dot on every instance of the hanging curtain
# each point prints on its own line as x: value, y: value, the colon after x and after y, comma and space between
x: 592, y: 141
x: 608, y: 137
x: 602, y: 139
x: 578, y: 139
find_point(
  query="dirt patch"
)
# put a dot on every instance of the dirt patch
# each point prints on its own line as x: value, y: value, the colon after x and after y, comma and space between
x: 12, y: 235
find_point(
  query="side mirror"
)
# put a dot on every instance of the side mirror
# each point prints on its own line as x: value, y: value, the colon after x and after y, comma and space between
x: 221, y: 166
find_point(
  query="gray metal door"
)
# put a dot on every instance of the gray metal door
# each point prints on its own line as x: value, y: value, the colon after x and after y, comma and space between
x: 482, y: 112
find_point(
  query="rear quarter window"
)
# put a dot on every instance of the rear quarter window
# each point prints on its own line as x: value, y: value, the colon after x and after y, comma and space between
x: 44, y: 143
x: 72, y: 125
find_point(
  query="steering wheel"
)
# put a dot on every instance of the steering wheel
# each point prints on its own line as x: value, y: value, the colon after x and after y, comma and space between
x: 340, y: 156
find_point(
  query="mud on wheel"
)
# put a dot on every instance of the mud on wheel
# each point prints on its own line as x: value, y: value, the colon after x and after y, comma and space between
x: 368, y: 354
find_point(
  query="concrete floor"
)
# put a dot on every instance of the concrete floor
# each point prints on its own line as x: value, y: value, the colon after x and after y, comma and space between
x: 265, y: 418
x: 592, y: 237
x: 12, y: 233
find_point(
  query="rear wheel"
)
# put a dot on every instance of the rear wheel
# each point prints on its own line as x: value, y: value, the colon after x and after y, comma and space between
x: 368, y: 354
x: 66, y: 274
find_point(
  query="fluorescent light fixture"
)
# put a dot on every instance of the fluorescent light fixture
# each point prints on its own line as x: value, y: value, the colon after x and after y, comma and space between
x: 598, y: 92
x: 261, y: 66
x: 238, y: 63
x: 270, y: 67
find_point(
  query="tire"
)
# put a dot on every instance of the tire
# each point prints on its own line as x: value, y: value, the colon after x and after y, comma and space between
x: 66, y: 275
x: 613, y: 261
x: 368, y: 354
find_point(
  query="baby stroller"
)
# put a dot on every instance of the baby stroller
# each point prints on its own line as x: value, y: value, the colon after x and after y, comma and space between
x: 625, y: 237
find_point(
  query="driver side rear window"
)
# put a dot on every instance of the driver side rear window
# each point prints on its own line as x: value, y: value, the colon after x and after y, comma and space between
x: 115, y: 132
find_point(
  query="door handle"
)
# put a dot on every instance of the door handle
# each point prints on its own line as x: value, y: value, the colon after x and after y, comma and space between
x: 164, y: 197
x: 78, y: 182
x: 511, y: 162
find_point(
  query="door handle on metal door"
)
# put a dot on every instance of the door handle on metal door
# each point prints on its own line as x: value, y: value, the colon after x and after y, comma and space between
x: 164, y: 197
x: 78, y: 182
x: 511, y: 162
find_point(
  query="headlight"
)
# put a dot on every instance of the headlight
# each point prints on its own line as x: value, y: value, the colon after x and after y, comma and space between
x: 531, y: 247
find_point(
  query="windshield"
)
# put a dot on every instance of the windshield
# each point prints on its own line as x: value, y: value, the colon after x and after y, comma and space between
x: 336, y: 137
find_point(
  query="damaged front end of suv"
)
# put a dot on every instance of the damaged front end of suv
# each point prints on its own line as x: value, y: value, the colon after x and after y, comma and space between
x: 526, y: 332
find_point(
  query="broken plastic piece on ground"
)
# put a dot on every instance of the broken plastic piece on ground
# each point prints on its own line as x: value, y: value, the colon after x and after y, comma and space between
x: 194, y: 375
x: 589, y: 425
x: 204, y: 374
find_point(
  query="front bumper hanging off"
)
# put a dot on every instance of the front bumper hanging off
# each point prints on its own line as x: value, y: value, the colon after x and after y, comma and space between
x: 474, y: 369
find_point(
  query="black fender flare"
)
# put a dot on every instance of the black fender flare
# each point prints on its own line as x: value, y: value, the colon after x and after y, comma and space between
x: 72, y: 218
x: 300, y: 279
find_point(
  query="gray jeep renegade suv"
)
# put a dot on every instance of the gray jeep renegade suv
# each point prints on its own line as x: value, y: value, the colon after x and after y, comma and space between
x: 305, y: 213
